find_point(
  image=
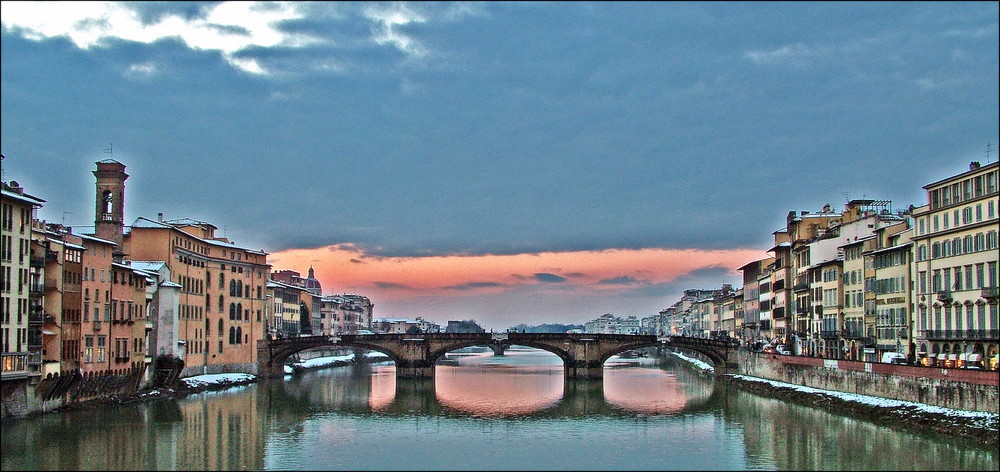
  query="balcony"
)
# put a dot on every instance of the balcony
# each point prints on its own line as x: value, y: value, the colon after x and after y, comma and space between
x: 944, y: 296
x: 964, y: 334
x: 37, y: 262
x: 800, y: 287
x: 990, y: 293
x: 14, y: 365
x: 854, y: 333
x: 829, y: 333
x: 36, y: 289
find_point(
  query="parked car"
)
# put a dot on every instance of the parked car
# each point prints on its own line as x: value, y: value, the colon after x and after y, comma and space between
x: 781, y: 349
x: 364, y: 331
x: 893, y: 358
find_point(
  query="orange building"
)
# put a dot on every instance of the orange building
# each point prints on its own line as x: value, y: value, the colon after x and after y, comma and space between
x: 221, y: 301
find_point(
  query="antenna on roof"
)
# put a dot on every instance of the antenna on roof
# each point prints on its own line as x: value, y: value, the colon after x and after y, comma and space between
x: 110, y: 150
x: 988, y: 152
x: 847, y: 196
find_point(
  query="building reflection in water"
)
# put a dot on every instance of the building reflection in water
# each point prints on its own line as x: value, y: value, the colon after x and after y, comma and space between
x: 647, y: 391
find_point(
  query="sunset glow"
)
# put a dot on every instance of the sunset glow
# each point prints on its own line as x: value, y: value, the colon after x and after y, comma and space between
x: 415, y: 282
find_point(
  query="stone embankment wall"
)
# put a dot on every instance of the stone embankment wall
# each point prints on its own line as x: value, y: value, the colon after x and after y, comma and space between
x: 25, y: 397
x: 960, y: 389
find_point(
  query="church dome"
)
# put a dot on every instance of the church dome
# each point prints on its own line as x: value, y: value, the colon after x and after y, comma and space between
x: 312, y: 283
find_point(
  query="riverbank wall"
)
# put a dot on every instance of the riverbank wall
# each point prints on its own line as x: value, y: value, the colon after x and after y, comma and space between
x: 55, y: 391
x: 959, y: 389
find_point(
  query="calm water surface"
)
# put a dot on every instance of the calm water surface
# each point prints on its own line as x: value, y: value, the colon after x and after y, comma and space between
x: 481, y: 412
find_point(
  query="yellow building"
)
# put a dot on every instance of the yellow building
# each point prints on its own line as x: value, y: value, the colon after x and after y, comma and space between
x: 955, y: 268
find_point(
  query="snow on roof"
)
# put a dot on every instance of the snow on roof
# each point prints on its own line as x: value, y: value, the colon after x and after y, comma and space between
x: 143, y: 222
x: 149, y: 266
x: 23, y: 197
x: 893, y: 248
x: 91, y: 237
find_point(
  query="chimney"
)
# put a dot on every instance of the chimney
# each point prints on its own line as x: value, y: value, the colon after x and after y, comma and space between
x: 159, y: 217
x: 974, y: 165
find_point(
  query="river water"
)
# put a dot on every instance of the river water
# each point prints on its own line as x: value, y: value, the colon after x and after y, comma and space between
x: 481, y: 412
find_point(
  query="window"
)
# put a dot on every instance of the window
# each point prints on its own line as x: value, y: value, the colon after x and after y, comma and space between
x: 88, y: 351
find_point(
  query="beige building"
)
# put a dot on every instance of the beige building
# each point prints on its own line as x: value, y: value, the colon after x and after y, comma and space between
x: 955, y: 267
x: 891, y: 260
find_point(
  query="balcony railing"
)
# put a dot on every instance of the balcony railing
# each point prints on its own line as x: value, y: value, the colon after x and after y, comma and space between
x: 944, y: 295
x: 990, y: 292
x: 854, y: 333
x: 965, y: 334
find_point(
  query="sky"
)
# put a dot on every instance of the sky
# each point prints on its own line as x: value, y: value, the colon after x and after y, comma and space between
x: 540, y: 162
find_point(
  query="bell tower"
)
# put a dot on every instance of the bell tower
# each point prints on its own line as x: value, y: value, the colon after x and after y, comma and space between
x: 109, y: 216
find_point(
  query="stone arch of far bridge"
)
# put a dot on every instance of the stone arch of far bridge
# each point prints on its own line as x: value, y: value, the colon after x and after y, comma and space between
x: 563, y: 355
x: 716, y: 358
x: 282, y: 354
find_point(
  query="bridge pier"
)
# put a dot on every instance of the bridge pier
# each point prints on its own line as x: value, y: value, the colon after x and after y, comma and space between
x: 498, y: 349
x: 583, y: 370
x: 414, y: 370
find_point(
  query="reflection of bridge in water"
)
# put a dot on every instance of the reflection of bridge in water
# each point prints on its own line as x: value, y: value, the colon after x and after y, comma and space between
x: 415, y: 355
x: 407, y: 397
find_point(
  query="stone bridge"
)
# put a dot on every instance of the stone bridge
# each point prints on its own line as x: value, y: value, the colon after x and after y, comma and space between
x: 415, y: 355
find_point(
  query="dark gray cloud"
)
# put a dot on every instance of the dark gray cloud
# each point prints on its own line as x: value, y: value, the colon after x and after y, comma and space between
x: 621, y: 280
x: 549, y: 278
x: 506, y: 128
x: 474, y: 285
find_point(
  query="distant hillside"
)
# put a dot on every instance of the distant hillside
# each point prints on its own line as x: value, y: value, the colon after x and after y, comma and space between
x: 546, y: 328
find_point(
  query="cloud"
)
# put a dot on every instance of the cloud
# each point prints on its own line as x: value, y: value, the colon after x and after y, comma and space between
x: 474, y: 285
x: 391, y: 285
x: 621, y: 280
x: 549, y: 278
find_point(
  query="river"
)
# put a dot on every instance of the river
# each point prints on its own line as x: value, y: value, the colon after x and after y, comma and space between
x: 481, y: 412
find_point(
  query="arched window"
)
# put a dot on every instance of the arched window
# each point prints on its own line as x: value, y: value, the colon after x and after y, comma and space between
x: 239, y: 288
x: 232, y: 288
x: 232, y: 311
x: 221, y: 328
x: 239, y: 335
x: 232, y: 335
x: 208, y: 303
x: 239, y: 311
x: 106, y: 202
x: 222, y: 280
x: 222, y: 305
